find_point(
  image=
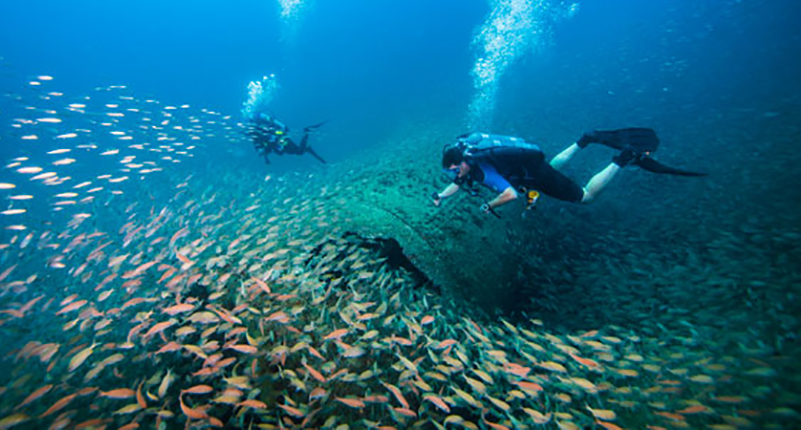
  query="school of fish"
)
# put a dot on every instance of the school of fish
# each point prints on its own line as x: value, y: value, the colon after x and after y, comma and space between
x: 165, y: 301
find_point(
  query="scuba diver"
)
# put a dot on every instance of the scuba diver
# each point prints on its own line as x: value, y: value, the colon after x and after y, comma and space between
x: 271, y: 136
x: 509, y: 165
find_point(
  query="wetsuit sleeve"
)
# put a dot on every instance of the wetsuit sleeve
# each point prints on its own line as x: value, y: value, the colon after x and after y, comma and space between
x: 493, y: 179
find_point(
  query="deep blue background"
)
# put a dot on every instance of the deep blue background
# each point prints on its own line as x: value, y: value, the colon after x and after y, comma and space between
x: 365, y: 65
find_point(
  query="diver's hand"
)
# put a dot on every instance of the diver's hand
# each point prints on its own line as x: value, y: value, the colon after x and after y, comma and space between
x: 487, y: 209
x: 437, y: 199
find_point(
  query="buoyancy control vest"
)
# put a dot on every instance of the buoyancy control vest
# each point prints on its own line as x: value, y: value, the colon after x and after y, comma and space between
x: 499, y: 150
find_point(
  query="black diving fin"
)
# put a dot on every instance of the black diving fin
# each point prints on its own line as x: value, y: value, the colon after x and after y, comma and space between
x: 653, y: 166
x: 642, y: 140
x: 309, y: 128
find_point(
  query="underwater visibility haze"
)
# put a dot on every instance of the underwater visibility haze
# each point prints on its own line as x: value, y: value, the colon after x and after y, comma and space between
x: 232, y: 215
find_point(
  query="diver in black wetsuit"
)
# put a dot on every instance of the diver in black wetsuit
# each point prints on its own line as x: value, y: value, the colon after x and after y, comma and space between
x: 271, y: 136
x: 509, y: 164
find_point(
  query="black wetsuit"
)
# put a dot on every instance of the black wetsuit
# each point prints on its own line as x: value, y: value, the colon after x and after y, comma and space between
x: 271, y: 136
x: 499, y: 162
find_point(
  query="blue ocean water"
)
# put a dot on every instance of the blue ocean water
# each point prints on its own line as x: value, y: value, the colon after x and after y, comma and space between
x: 684, y: 278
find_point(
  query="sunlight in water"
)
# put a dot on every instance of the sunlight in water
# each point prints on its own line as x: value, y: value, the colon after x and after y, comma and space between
x: 291, y: 9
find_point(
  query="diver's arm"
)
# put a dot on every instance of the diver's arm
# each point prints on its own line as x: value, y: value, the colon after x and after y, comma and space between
x: 508, y: 195
x: 447, y: 192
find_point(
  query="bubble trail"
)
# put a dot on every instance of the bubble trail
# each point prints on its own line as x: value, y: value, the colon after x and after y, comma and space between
x: 260, y: 94
x: 512, y: 28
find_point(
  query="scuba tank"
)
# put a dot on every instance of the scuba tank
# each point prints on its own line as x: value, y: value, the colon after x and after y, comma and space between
x: 482, y: 146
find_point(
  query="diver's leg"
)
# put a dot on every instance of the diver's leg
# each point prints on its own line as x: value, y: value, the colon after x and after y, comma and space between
x: 304, y: 147
x: 563, y: 157
x: 314, y: 154
x: 598, y: 182
x: 555, y: 184
x: 290, y: 147
x: 304, y: 141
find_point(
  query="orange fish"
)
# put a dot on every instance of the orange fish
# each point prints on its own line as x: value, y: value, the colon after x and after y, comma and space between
x: 71, y: 307
x: 397, y: 393
x: 516, y: 369
x: 279, y: 316
x: 133, y: 302
x: 198, y: 389
x: 184, y: 259
x: 120, y: 393
x: 245, y: 349
x: 696, y: 409
x: 314, y: 373
x: 495, y: 426
x: 671, y: 416
x: 169, y: 347
x: 585, y: 361
x: 93, y: 423
x: 315, y: 353
x: 406, y: 412
x: 445, y: 343
x: 317, y: 393
x: 336, y: 334
x: 256, y: 404
x: 262, y: 285
x: 297, y: 413
x: 349, y: 401
x: 27, y: 306
x: 35, y: 395
x: 192, y: 414
x: 438, y: 402
x: 178, y: 309
x: 140, y: 399
x: 607, y: 426
x: 529, y: 386
x: 158, y: 328
x: 58, y: 405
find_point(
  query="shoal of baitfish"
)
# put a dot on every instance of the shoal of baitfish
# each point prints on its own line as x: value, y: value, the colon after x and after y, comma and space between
x: 65, y: 141
x: 223, y: 308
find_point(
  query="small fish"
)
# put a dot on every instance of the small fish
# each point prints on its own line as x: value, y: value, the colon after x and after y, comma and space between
x: 602, y: 414
x: 245, y: 349
x: 60, y: 404
x: 314, y: 373
x: 297, y: 413
x: 120, y: 393
x: 336, y: 334
x: 35, y: 395
x: 351, y: 402
x: 198, y: 389
x: 192, y: 414
x: 438, y: 402
x: 80, y: 357
x: 255, y: 404
x: 397, y: 393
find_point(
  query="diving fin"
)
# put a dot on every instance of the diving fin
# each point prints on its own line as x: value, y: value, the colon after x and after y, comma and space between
x: 653, y: 166
x: 314, y: 154
x: 642, y: 140
x: 313, y: 127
